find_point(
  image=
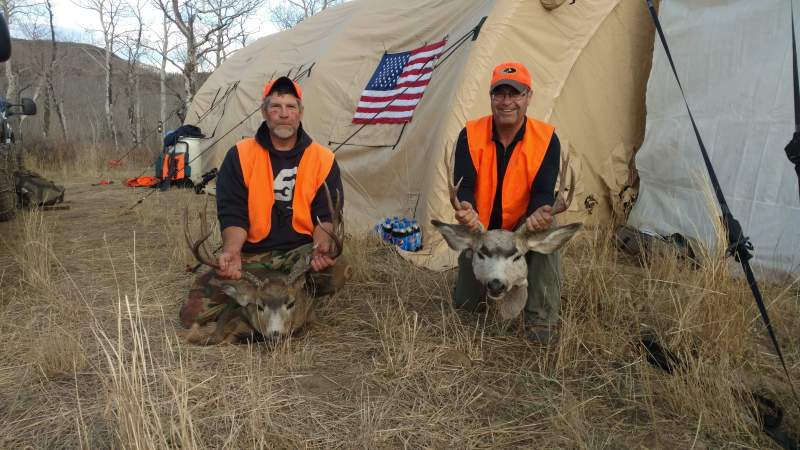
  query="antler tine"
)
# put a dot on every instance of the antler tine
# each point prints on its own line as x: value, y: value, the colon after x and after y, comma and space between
x: 202, y: 247
x: 561, y: 204
x: 450, y: 164
x: 199, y: 249
x: 195, y: 246
x: 336, y: 220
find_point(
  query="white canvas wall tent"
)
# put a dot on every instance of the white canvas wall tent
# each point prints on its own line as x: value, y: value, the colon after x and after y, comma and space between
x: 735, y: 63
x: 589, y: 61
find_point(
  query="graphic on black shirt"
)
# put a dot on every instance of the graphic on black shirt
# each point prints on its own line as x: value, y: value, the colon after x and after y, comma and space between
x: 284, y: 184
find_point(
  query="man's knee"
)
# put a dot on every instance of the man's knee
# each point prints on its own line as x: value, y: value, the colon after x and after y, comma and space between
x: 544, y: 270
x: 468, y: 290
x: 544, y: 288
x: 466, y: 300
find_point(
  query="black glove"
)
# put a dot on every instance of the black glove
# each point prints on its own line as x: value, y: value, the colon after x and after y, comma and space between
x: 793, y: 149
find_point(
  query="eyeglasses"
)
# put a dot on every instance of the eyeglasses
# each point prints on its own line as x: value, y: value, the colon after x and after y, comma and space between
x: 499, y: 96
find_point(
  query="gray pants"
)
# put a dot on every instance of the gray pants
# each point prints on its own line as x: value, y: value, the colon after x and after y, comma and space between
x: 544, y: 287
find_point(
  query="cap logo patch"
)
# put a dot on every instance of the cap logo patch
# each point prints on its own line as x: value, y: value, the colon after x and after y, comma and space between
x: 509, y: 70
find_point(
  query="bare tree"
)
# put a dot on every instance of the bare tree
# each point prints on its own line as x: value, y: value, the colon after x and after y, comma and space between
x: 110, y: 12
x: 227, y: 38
x: 198, y: 22
x: 12, y: 9
x: 51, y: 101
x: 34, y: 31
x: 162, y: 74
x: 286, y: 14
x: 161, y: 52
x: 134, y: 45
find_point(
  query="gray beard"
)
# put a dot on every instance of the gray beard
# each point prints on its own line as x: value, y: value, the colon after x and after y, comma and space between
x: 284, y: 131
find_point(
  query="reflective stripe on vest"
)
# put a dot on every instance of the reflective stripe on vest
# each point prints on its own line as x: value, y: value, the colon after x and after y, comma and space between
x: 526, y: 159
x: 315, y: 164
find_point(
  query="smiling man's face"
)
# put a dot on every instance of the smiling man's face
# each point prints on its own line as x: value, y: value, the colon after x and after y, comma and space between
x: 509, y: 105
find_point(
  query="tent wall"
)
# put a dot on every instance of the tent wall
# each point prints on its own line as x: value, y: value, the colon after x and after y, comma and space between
x: 734, y: 60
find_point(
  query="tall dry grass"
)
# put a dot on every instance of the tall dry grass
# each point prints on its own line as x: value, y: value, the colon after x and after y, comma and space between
x: 35, y: 255
x: 65, y: 160
x: 386, y: 364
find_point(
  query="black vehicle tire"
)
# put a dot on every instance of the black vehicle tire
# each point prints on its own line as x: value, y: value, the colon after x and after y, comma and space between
x: 8, y: 193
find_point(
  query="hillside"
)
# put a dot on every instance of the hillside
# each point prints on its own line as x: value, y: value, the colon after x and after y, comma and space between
x: 80, y: 81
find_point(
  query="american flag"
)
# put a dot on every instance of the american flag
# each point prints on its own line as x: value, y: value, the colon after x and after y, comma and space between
x: 397, y: 85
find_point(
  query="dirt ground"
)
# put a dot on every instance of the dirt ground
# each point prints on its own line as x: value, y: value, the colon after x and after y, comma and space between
x: 89, y: 298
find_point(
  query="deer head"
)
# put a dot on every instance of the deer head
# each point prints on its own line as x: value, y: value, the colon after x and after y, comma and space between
x: 498, y: 256
x: 272, y: 303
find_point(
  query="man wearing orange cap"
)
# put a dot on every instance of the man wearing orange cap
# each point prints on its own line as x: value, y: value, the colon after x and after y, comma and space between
x: 491, y: 148
x: 271, y: 203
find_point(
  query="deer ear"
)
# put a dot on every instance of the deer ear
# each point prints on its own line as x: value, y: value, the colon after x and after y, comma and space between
x: 548, y: 241
x: 458, y: 237
x: 230, y: 290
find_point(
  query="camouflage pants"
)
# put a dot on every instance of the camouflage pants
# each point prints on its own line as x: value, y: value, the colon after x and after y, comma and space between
x: 207, y: 301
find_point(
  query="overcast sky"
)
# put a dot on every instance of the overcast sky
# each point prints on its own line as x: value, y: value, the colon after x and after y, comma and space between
x: 72, y: 22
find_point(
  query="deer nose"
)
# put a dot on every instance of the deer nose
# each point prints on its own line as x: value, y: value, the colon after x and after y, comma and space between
x: 496, y: 286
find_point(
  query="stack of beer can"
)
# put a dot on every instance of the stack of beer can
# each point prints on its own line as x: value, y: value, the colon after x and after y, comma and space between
x: 402, y: 232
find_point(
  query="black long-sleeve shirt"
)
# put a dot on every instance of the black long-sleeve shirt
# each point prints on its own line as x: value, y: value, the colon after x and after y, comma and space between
x: 542, y: 188
x: 232, y: 194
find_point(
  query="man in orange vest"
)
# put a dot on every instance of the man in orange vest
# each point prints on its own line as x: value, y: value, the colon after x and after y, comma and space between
x: 508, y: 164
x: 271, y: 203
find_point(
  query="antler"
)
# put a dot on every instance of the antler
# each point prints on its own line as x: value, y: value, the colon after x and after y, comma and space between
x: 449, y: 164
x: 335, y: 208
x: 199, y: 249
x: 561, y: 204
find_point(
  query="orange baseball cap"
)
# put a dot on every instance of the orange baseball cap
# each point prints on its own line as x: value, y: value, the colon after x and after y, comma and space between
x: 513, y: 74
x: 282, y: 81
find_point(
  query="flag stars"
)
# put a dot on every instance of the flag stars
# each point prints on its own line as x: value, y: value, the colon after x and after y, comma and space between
x: 381, y: 100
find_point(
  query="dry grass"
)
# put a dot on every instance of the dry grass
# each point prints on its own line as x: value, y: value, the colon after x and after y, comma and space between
x: 88, y: 306
x: 56, y: 354
x: 65, y: 160
x: 35, y: 252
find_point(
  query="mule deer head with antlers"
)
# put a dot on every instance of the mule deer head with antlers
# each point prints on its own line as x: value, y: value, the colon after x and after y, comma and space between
x: 498, y: 256
x: 272, y: 303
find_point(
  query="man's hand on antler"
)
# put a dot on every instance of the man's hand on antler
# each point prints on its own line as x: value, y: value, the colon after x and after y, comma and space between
x: 323, y: 247
x: 230, y: 266
x: 541, y: 219
x: 230, y: 259
x: 468, y: 217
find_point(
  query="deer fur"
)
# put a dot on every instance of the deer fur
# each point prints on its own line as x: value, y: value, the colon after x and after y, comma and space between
x: 274, y: 309
x: 269, y: 302
x: 498, y: 258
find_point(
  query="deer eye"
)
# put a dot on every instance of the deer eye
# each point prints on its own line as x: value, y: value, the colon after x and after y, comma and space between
x: 290, y: 305
x: 516, y: 258
x: 481, y: 256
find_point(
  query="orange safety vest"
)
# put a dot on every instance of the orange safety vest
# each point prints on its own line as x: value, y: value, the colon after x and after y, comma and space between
x: 180, y: 165
x: 526, y: 159
x: 315, y: 164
